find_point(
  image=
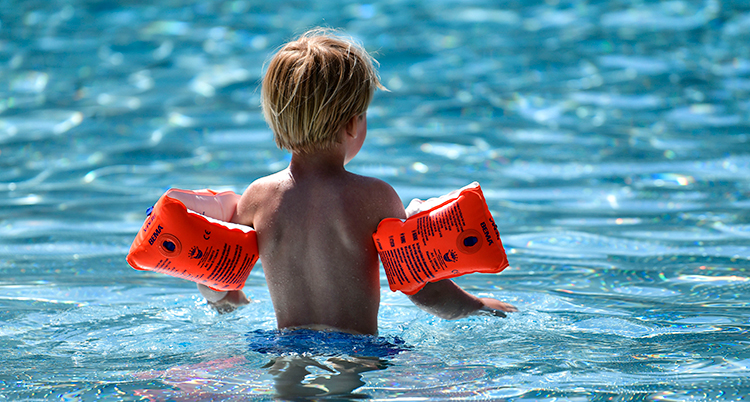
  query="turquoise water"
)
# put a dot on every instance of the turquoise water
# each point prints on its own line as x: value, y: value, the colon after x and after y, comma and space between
x: 611, y: 138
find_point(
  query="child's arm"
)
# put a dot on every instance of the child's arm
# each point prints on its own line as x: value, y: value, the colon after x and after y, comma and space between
x: 238, y: 209
x: 222, y: 206
x: 444, y: 298
x: 447, y: 300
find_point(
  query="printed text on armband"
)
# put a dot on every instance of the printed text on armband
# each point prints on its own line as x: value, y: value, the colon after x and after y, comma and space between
x: 436, y: 260
x: 454, y: 222
x: 244, y: 267
x: 396, y: 270
x: 402, y: 259
x: 487, y: 235
x: 494, y: 227
x: 422, y: 229
x: 240, y: 271
x: 391, y: 265
x: 231, y: 265
x: 209, y: 257
x: 155, y: 235
x: 221, y: 264
x: 415, y: 259
x: 439, y: 223
x: 460, y: 222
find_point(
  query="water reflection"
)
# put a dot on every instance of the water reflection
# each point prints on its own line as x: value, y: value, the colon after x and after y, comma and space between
x: 610, y: 137
x: 300, y: 377
x: 293, y: 377
x: 308, y: 363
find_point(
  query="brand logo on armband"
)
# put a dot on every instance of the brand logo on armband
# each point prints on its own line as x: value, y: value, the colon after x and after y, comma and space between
x: 195, y: 252
x: 450, y: 256
x: 486, y: 233
x: 154, y: 235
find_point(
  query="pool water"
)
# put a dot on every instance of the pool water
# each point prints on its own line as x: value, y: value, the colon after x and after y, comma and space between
x: 611, y: 139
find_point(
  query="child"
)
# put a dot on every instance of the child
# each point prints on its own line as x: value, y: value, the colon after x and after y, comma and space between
x: 314, y: 219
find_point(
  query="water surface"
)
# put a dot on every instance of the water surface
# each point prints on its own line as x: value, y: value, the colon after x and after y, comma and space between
x: 610, y: 137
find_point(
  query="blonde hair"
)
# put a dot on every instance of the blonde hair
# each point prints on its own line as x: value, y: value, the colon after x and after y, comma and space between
x: 313, y: 86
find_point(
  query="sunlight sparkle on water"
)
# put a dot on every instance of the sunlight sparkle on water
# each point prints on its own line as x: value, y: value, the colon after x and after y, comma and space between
x: 610, y: 139
x: 703, y: 278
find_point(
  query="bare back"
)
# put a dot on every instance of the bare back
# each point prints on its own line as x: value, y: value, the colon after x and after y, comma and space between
x: 315, y: 239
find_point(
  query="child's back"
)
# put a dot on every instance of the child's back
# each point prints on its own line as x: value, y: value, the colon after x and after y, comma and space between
x: 315, y: 231
x: 315, y: 220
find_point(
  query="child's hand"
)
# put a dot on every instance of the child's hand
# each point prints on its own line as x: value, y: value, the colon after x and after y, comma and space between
x: 496, y: 307
x: 223, y: 302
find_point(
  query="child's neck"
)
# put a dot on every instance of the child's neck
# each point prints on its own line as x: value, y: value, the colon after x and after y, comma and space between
x: 328, y: 162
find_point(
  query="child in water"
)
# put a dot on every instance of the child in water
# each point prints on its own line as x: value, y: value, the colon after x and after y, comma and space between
x: 314, y: 219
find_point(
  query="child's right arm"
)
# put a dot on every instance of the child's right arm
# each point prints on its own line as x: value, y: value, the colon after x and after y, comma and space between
x: 447, y: 300
x: 444, y: 299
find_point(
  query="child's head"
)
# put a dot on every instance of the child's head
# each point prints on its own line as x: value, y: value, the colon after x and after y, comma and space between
x: 313, y: 86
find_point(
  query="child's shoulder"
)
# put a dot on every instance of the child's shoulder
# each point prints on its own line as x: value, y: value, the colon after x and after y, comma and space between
x: 268, y: 183
x: 381, y: 196
x: 261, y: 189
x: 372, y: 184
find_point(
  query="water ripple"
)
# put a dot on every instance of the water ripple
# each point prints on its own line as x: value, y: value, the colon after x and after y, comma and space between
x: 610, y: 139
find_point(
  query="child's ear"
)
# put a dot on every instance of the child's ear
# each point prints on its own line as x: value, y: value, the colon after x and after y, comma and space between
x: 352, y: 126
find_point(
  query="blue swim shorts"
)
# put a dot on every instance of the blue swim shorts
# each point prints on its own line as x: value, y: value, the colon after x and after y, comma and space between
x: 325, y: 343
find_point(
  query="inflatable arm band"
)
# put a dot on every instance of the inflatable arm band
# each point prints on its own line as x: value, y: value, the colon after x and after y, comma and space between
x: 443, y: 238
x: 177, y: 241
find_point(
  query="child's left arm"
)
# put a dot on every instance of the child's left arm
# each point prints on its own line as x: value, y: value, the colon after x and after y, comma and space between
x: 221, y: 206
x: 447, y: 300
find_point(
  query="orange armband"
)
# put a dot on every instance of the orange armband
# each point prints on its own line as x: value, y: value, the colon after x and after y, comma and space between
x: 450, y: 236
x: 177, y: 241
